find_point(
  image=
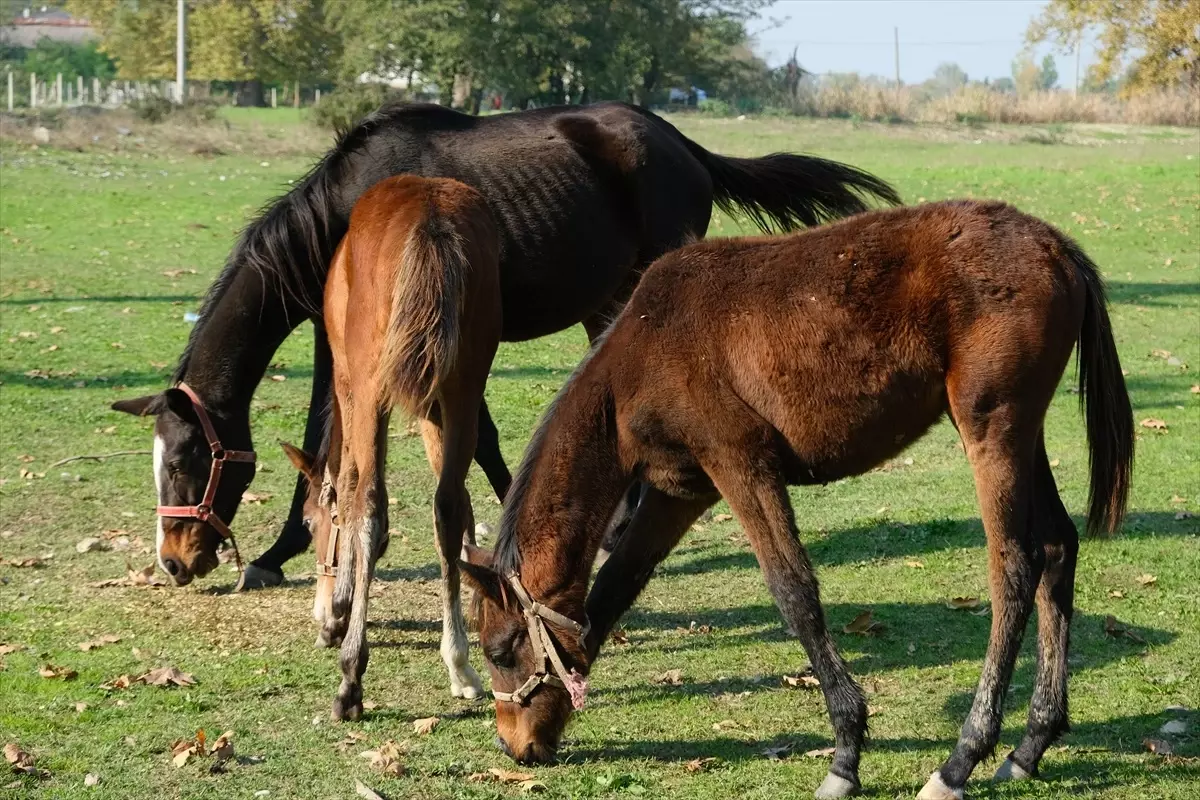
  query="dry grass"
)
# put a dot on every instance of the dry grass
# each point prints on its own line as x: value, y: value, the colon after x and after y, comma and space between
x: 977, y: 103
x: 236, y: 132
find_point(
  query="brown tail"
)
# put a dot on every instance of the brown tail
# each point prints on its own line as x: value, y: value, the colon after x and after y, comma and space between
x: 1108, y: 412
x: 427, y: 308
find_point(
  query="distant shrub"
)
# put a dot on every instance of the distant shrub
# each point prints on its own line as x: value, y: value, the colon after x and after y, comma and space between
x: 155, y: 109
x: 342, y: 109
x: 715, y: 108
x: 152, y: 108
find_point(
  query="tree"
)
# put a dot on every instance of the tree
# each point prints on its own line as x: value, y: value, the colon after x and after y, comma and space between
x: 1029, y: 77
x: 947, y: 78
x: 1157, y: 39
x: 235, y: 40
x: 1049, y: 73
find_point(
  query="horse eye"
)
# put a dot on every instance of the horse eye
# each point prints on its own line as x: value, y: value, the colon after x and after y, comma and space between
x: 174, y: 468
x: 504, y: 659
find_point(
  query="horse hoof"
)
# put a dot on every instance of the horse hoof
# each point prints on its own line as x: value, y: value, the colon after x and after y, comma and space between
x: 346, y: 710
x: 466, y: 686
x: 257, y: 578
x: 936, y: 789
x: 1011, y: 771
x: 324, y: 642
x: 836, y: 786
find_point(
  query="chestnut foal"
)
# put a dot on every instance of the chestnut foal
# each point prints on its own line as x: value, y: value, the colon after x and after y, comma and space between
x: 742, y: 366
x: 412, y: 307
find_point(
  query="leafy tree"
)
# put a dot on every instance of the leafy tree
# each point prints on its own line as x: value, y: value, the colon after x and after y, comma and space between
x: 947, y: 78
x: 49, y: 57
x: 1049, y: 72
x: 1156, y: 38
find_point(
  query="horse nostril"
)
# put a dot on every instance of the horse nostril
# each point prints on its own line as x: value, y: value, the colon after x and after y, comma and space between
x: 171, y: 566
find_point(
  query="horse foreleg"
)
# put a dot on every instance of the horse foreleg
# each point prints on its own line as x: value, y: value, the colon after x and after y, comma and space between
x: 294, y: 539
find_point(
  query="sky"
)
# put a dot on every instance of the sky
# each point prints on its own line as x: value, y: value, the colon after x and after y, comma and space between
x: 981, y: 36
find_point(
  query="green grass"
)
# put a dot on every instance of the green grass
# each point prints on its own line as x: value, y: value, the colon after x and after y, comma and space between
x: 86, y: 238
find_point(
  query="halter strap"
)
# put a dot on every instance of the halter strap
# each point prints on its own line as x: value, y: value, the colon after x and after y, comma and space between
x: 204, y: 511
x: 328, y: 567
x: 551, y: 670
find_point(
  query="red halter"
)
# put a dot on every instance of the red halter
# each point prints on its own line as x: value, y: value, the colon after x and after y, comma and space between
x: 204, y: 511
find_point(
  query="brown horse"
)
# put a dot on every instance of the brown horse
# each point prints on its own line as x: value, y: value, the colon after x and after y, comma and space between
x: 412, y: 308
x: 742, y: 366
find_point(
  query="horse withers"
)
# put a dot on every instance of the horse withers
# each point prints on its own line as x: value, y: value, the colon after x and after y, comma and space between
x: 742, y: 366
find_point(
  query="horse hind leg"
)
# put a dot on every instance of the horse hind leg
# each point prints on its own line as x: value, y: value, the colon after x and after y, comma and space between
x: 449, y: 446
x: 1048, y: 717
x: 1000, y: 445
x: 761, y: 503
x: 365, y: 527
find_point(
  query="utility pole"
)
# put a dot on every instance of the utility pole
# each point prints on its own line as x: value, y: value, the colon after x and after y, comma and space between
x: 1079, y: 48
x: 896, y: 31
x: 180, y: 53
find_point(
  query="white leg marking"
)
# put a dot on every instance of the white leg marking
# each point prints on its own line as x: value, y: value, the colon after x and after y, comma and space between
x: 464, y: 681
x: 1011, y: 771
x: 936, y: 789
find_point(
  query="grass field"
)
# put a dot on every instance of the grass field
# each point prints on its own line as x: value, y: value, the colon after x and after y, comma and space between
x: 104, y: 251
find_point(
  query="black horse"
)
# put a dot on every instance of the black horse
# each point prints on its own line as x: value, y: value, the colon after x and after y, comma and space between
x: 584, y: 199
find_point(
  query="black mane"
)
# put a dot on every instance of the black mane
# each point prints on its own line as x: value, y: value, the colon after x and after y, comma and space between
x: 292, y: 241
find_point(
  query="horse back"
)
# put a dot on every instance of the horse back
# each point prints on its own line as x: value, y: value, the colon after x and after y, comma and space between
x: 833, y: 348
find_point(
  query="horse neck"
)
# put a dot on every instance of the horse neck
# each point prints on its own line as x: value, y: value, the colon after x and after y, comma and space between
x: 572, y: 487
x: 230, y: 352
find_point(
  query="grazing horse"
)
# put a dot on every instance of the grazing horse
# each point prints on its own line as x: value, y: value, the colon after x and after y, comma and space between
x: 742, y: 366
x: 583, y: 198
x: 413, y: 313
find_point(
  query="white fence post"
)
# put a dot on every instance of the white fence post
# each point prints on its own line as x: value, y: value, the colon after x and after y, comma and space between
x: 96, y: 98
x: 33, y: 90
x: 79, y: 92
x: 317, y: 101
x: 58, y: 89
x: 10, y: 90
x: 273, y: 103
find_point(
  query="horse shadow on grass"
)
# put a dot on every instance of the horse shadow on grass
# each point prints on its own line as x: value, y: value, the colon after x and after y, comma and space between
x: 893, y: 540
x: 1082, y: 762
x: 938, y: 636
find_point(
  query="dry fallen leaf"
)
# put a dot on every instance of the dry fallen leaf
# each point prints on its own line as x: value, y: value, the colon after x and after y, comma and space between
x: 143, y: 577
x: 914, y: 564
x: 119, y: 682
x: 725, y: 725
x: 279, y: 378
x: 222, y: 748
x: 166, y: 676
x: 824, y: 752
x: 511, y: 776
x: 18, y: 758
x: 672, y: 677
x: 863, y: 625
x: 108, y: 638
x: 51, y: 671
x: 1055, y: 462
x: 1147, y: 579
x: 1160, y: 747
x: 777, y: 752
x: 386, y: 758
x: 1116, y: 594
x: 91, y: 779
x: 803, y: 681
x: 1175, y: 727
x: 424, y: 726
x: 963, y: 603
x: 1117, y: 630
x: 91, y: 544
x: 618, y: 636
x: 5, y: 649
x: 362, y: 790
x: 722, y: 517
x: 80, y: 708
x: 20, y: 562
x: 175, y: 273
x: 1154, y: 424
x: 701, y: 764
x: 257, y: 499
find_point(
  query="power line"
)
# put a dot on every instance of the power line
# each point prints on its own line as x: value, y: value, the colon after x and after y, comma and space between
x: 779, y: 40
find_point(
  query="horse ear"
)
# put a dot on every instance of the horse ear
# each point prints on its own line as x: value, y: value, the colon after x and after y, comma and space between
x: 150, y: 405
x: 479, y: 556
x: 178, y: 402
x: 301, y: 460
x: 485, y: 580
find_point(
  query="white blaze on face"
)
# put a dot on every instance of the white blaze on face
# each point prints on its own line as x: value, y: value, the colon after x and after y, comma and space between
x: 160, y: 477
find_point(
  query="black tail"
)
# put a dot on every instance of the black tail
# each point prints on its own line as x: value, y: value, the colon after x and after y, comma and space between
x: 783, y: 191
x: 1108, y: 412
